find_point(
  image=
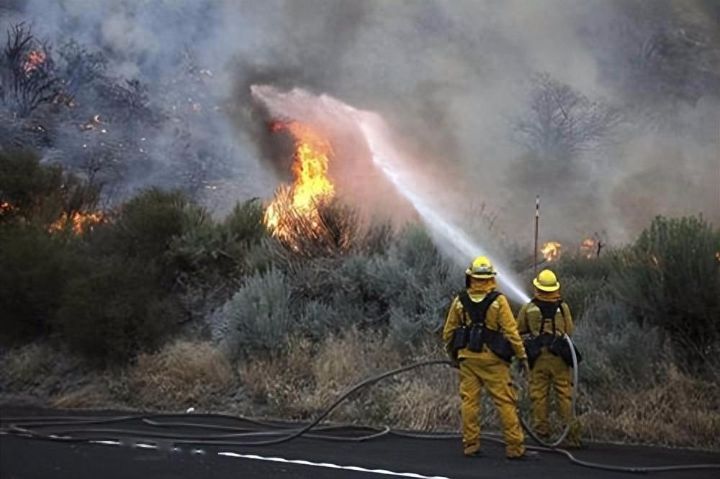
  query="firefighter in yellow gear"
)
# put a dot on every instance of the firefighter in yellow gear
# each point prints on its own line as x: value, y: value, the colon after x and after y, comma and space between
x: 543, y: 322
x: 483, y: 368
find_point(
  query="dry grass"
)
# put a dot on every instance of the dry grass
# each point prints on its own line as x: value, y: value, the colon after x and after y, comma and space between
x: 677, y: 411
x: 96, y: 395
x: 41, y: 372
x: 306, y: 380
x: 180, y: 375
x: 26, y: 366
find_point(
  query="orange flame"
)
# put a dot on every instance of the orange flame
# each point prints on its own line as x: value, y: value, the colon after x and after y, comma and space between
x: 93, y: 124
x: 79, y: 221
x: 588, y: 248
x: 311, y: 185
x: 551, y: 250
x: 5, y: 207
x: 34, y: 59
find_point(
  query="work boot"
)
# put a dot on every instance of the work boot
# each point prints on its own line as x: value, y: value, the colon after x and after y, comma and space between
x: 526, y: 456
x: 472, y: 450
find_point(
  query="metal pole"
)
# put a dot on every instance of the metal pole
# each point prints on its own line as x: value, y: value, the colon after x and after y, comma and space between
x: 537, y: 228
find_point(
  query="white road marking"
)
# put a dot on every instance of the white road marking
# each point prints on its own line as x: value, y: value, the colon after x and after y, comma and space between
x: 106, y: 443
x: 328, y: 465
x: 143, y: 445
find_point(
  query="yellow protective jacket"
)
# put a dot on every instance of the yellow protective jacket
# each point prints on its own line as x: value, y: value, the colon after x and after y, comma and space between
x: 499, y: 318
x: 530, y: 319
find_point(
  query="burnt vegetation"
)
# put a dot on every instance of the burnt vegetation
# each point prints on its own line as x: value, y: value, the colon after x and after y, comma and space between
x: 68, y: 105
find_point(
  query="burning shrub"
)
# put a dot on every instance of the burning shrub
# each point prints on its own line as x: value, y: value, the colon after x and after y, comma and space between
x: 40, y: 194
x: 297, y: 205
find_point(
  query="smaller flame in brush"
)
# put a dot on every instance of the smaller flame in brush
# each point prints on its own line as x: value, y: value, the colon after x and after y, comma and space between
x: 33, y: 61
x: 93, y: 124
x: 551, y: 250
x: 5, y: 207
x: 79, y: 221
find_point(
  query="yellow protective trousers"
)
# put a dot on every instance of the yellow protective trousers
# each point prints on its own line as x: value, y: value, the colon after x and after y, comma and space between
x: 550, y: 370
x: 492, y: 373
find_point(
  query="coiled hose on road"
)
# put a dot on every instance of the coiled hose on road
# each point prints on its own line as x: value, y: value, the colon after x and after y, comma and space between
x: 79, y: 429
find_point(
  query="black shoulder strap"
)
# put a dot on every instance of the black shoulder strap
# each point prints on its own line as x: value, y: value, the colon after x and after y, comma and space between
x: 548, y: 310
x: 477, y: 311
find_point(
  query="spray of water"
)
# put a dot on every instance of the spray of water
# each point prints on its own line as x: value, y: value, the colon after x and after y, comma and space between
x: 462, y: 247
x: 395, y: 165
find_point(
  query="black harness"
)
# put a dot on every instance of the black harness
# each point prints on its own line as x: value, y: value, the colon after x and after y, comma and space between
x: 474, y: 335
x: 548, y: 310
x: 477, y: 311
x: 556, y: 345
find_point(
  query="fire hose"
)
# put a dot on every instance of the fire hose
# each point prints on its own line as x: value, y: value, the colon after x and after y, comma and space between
x: 79, y: 429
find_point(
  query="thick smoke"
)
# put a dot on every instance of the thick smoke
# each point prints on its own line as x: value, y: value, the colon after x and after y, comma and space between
x: 454, y: 79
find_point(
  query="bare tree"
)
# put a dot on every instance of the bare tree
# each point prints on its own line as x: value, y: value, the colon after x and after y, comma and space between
x: 562, y: 122
x: 27, y: 78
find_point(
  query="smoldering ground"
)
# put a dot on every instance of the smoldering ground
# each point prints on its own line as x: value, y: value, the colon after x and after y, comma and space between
x: 609, y: 110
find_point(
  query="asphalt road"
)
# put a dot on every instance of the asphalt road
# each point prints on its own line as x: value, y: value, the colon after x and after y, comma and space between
x: 388, y: 456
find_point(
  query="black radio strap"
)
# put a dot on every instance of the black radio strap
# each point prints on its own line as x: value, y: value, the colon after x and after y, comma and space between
x: 548, y: 310
x: 477, y: 311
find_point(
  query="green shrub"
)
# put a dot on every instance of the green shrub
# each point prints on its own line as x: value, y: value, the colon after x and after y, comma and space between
x: 615, y: 348
x: 403, y: 292
x: 34, y: 267
x: 211, y: 258
x: 583, y: 278
x: 258, y: 317
x: 670, y: 278
x: 117, y: 309
x: 125, y: 295
x: 144, y: 227
x: 244, y: 225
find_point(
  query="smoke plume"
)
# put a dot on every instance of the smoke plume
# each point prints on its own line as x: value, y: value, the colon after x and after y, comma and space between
x: 462, y: 84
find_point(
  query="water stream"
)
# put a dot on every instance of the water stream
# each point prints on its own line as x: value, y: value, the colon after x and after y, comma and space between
x: 462, y: 247
x: 395, y: 165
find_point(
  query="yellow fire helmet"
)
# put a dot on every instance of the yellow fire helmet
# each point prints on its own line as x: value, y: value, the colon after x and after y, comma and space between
x: 481, y: 268
x: 546, y: 281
